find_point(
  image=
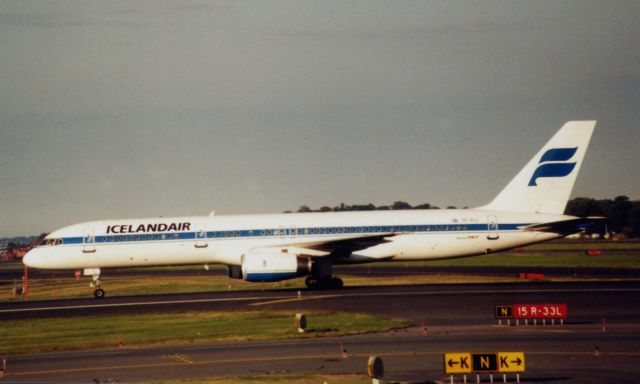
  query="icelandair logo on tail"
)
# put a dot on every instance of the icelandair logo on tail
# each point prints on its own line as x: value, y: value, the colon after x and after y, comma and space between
x: 554, y: 164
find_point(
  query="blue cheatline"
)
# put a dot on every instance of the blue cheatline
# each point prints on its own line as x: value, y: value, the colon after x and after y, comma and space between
x: 299, y: 232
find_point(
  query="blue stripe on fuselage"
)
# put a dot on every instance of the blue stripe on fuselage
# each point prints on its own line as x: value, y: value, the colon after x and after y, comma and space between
x: 300, y: 232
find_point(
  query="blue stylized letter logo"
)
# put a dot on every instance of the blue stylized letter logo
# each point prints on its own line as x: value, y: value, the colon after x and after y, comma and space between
x: 554, y: 164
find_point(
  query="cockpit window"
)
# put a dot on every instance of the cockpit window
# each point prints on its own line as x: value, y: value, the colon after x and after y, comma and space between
x: 51, y: 242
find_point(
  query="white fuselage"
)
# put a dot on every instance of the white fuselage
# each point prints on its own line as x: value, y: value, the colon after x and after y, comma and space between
x: 413, y: 235
x: 283, y: 246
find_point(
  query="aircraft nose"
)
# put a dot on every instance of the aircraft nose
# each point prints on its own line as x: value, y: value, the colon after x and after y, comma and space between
x: 32, y: 259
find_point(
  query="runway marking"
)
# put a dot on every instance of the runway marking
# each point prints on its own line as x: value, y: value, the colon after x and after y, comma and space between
x: 293, y: 299
x: 287, y: 298
x: 140, y: 303
x: 179, y: 359
x: 442, y: 293
x: 284, y: 358
x: 164, y: 364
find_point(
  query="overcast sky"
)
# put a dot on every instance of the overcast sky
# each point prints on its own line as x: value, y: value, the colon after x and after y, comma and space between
x: 133, y: 109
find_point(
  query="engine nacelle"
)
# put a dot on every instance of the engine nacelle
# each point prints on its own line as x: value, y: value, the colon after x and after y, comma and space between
x: 264, y: 266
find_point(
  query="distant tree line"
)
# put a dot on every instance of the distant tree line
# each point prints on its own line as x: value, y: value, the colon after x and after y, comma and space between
x: 398, y: 205
x: 623, y: 214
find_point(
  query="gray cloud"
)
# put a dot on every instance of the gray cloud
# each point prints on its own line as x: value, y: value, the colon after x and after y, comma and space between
x: 120, y: 109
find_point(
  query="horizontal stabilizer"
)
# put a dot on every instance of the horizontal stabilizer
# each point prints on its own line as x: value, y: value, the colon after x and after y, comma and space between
x: 566, y: 227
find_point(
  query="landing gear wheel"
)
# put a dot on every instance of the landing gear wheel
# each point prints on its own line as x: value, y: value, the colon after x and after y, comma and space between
x: 96, y: 283
x: 99, y: 293
x: 337, y: 283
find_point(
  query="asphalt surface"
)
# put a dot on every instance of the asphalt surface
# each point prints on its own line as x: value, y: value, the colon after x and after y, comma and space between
x: 447, y: 318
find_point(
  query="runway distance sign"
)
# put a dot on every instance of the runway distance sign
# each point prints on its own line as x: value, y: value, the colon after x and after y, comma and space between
x: 539, y: 311
x: 466, y: 362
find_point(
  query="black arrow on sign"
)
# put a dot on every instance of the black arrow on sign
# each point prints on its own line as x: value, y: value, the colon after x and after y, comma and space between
x: 517, y: 361
x: 452, y: 363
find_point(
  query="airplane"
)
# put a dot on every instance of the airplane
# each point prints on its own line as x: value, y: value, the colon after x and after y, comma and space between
x: 274, y: 247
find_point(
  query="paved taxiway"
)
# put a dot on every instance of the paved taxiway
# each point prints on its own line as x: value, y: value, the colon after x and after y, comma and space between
x: 457, y: 317
x: 553, y: 355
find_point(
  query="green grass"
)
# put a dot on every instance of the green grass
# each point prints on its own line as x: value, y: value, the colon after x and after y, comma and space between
x: 565, y: 253
x: 43, y: 289
x: 55, y: 334
x: 541, y: 259
x: 40, y: 289
x: 580, y: 245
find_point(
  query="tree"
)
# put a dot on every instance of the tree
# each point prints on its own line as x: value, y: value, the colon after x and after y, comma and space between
x: 618, y: 214
x: 623, y: 214
x: 397, y: 205
x: 634, y: 219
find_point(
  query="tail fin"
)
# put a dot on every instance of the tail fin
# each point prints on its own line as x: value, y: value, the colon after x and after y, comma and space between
x: 545, y: 183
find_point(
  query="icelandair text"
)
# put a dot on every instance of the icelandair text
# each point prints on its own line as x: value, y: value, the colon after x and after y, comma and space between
x: 144, y: 228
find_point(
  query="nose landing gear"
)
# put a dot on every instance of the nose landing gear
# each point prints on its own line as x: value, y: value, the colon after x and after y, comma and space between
x: 98, y: 292
x: 96, y: 283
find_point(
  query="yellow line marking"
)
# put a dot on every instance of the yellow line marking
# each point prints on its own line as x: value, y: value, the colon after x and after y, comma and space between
x: 179, y: 359
x: 284, y: 358
x: 164, y: 364
x: 293, y: 299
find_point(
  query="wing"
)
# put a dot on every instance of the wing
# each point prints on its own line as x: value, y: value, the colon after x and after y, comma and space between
x: 341, y: 246
x: 565, y: 227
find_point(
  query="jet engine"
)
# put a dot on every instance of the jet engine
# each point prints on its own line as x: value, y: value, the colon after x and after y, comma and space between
x: 261, y: 266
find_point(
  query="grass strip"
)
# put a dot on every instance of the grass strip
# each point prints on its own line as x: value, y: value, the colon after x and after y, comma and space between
x: 534, y: 258
x: 65, y: 287
x: 44, y: 289
x: 87, y: 332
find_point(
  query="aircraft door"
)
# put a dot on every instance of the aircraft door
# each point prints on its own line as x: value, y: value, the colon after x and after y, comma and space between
x: 88, y: 240
x: 201, y: 236
x: 492, y: 228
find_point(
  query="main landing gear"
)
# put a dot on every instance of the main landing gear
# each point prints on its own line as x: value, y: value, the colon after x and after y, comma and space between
x: 322, y: 276
x: 314, y: 282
